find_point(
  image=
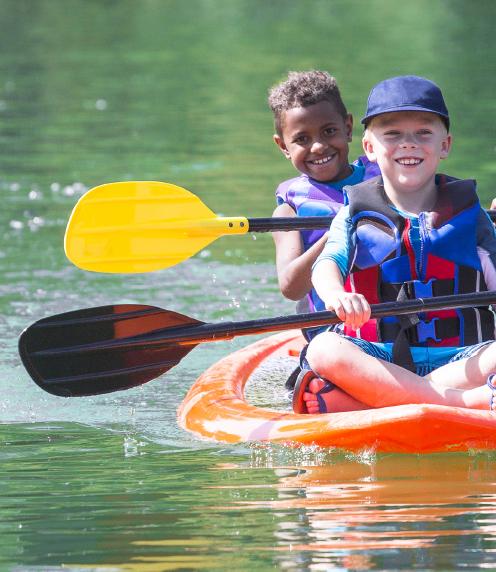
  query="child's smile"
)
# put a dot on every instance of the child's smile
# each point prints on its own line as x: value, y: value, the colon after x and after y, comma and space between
x: 409, y: 161
x: 319, y: 167
x: 315, y: 138
x: 322, y: 161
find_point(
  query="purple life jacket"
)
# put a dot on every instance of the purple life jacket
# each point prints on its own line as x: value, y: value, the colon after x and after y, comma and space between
x: 308, y: 197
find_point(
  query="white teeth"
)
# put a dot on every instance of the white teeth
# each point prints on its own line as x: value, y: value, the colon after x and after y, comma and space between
x: 409, y: 161
x: 321, y: 161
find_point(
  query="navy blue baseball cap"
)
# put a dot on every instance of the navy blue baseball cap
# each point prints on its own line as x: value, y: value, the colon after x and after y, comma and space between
x: 406, y: 93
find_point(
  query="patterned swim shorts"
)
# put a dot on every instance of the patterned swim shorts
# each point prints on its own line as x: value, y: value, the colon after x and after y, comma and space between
x: 426, y: 359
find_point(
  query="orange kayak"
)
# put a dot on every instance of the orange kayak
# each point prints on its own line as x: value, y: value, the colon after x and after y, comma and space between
x: 215, y: 408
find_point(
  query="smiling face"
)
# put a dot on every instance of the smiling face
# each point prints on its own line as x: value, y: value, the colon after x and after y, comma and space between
x: 315, y: 138
x: 407, y: 146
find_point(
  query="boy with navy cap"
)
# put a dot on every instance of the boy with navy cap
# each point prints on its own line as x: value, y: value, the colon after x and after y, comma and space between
x: 409, y: 233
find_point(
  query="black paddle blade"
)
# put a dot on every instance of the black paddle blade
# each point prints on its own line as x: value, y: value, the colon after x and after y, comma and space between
x: 99, y: 350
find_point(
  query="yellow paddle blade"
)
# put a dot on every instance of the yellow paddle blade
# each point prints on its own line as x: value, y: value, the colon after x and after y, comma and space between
x: 140, y: 226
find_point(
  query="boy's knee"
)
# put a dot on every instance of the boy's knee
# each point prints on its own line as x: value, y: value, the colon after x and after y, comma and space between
x: 325, y: 348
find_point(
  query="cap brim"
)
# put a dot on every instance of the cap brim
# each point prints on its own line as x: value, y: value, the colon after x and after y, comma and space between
x: 367, y: 118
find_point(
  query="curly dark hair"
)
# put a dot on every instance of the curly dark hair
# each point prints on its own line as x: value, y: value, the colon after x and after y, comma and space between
x: 301, y: 89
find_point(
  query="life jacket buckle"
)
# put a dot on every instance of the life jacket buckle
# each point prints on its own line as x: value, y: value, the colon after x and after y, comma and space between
x: 427, y: 330
x: 423, y: 289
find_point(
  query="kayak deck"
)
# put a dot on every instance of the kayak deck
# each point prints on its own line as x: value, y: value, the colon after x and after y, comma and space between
x: 215, y: 408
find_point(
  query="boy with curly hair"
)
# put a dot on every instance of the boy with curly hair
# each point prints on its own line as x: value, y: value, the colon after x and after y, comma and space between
x: 313, y: 131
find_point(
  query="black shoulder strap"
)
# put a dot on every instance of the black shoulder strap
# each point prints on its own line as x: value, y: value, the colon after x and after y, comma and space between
x: 369, y: 197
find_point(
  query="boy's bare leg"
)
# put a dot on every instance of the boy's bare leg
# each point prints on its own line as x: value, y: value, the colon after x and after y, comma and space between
x: 467, y: 373
x: 380, y: 384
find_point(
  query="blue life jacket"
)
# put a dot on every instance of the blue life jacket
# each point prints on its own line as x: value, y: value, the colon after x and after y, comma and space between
x: 385, y: 267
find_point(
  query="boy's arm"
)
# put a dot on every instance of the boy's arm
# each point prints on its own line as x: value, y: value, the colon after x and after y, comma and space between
x: 293, y: 264
x: 329, y: 272
x: 350, y: 307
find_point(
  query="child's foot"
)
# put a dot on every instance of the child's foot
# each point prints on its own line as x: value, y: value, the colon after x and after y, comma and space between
x: 305, y: 380
x: 324, y: 397
x: 318, y: 399
x: 314, y: 395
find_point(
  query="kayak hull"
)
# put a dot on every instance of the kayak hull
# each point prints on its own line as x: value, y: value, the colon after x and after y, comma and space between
x: 215, y: 409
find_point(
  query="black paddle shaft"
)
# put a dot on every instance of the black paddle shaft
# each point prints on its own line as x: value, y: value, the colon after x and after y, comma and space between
x: 289, y: 223
x: 302, y: 223
x: 204, y: 332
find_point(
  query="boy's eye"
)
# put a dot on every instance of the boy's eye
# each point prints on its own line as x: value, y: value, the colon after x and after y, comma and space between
x: 330, y: 131
x: 300, y: 139
x: 391, y: 133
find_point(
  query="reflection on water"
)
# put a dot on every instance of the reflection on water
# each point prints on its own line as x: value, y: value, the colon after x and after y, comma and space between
x: 356, y: 511
x: 175, y: 91
x: 110, y: 501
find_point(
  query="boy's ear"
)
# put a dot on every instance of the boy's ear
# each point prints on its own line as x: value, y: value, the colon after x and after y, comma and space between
x: 368, y: 147
x: 445, y: 147
x: 279, y: 141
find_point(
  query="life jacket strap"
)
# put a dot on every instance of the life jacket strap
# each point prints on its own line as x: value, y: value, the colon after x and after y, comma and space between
x: 417, y: 289
x: 402, y: 354
x: 435, y: 329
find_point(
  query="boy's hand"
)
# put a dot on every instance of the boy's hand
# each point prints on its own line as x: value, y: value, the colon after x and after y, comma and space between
x: 352, y: 308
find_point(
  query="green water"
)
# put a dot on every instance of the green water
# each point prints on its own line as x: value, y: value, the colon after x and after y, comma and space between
x: 93, y: 92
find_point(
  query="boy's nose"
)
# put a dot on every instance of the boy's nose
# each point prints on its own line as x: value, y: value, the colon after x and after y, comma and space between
x: 318, y: 147
x: 409, y: 140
